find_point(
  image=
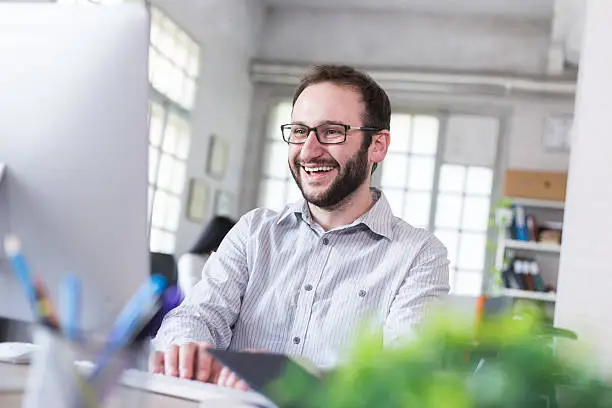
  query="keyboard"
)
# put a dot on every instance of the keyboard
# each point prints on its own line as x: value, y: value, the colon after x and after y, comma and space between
x: 186, y: 389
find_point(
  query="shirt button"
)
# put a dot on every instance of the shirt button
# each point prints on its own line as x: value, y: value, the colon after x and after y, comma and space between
x: 325, y: 241
x: 362, y: 293
x: 308, y: 287
x: 296, y: 340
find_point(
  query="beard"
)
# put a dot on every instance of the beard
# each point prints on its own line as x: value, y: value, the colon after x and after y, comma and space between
x: 349, y: 178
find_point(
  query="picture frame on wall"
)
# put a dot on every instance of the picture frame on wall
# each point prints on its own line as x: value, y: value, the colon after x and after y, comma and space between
x: 224, y: 203
x: 216, y: 162
x: 197, y: 199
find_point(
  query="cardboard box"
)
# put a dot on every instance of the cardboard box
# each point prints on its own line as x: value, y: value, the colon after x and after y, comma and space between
x: 535, y: 184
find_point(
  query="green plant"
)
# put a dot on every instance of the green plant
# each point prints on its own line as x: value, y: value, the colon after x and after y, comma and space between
x: 508, y: 363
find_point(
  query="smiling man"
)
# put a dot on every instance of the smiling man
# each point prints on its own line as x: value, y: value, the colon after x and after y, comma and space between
x: 303, y: 280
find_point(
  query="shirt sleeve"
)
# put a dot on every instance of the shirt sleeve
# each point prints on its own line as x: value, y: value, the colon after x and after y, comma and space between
x: 426, y: 283
x: 212, y: 307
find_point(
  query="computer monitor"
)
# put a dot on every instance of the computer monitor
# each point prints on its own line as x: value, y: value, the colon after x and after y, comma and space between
x: 73, y: 136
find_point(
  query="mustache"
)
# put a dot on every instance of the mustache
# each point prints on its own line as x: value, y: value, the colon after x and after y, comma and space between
x: 319, y: 163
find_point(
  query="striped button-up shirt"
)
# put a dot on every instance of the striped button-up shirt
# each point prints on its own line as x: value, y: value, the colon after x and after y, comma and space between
x: 280, y: 282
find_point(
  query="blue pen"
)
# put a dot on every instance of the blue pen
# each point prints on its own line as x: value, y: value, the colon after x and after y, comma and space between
x: 70, y: 306
x: 12, y: 247
x: 131, y: 320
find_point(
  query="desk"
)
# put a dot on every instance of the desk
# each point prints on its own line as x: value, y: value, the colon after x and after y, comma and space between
x: 20, y: 372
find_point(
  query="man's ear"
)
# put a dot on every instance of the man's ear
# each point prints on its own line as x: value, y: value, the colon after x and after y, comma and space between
x: 379, y: 146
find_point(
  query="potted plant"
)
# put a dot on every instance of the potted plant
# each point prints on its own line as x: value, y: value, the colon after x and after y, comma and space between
x: 507, y: 362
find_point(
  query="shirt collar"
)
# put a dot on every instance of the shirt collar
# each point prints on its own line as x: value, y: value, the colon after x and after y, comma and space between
x: 379, y: 219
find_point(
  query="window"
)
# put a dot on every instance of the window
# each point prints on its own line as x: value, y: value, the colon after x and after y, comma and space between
x: 407, y: 174
x: 174, y: 64
x: 417, y: 178
x: 277, y: 186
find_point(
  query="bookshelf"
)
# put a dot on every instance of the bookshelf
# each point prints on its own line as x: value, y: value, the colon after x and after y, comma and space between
x: 527, y: 294
x: 532, y: 246
x: 544, y: 254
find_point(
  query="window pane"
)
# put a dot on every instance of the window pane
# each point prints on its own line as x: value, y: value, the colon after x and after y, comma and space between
x: 156, y: 124
x: 164, y: 176
x: 281, y: 114
x: 467, y: 283
x: 153, y: 162
x: 159, y: 209
x: 475, y: 214
x: 400, y: 133
x: 173, y: 213
x: 181, y: 55
x: 276, y: 159
x: 189, y: 89
x: 166, y: 45
x: 416, y: 209
x: 149, y: 199
x: 472, y: 250
x: 168, y: 243
x: 450, y: 239
x: 156, y: 18
x: 452, y: 178
x: 170, y: 136
x: 178, y: 177
x: 156, y: 240
x: 421, y: 173
x: 396, y: 201
x: 272, y: 194
x: 194, y: 60
x: 425, y: 134
x: 448, y: 212
x: 182, y: 149
x: 175, y: 87
x: 479, y: 180
x: 394, y: 171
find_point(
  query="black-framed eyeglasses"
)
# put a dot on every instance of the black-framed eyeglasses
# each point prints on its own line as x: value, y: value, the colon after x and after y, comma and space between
x: 327, y: 133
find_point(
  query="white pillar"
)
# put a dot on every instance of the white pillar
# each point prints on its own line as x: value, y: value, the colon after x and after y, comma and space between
x: 585, y: 279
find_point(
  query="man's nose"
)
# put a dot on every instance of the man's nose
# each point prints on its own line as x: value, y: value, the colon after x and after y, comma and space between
x: 312, y: 146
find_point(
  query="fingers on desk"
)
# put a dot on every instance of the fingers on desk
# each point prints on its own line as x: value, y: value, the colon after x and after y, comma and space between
x: 156, y: 363
x: 171, y: 360
x: 204, y: 362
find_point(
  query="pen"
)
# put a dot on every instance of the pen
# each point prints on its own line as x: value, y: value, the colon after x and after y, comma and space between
x: 70, y: 305
x: 131, y: 320
x: 35, y: 290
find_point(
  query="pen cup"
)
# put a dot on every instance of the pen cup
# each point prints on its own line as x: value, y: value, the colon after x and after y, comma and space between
x: 61, y: 374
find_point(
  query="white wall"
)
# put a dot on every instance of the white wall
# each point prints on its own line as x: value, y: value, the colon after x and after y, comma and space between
x: 584, y: 302
x: 525, y: 133
x: 404, y: 39
x: 228, y: 31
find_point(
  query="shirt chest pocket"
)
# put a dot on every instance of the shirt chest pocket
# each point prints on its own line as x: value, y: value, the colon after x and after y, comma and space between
x: 350, y: 302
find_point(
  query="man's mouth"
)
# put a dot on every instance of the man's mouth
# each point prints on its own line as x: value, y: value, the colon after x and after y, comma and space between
x: 317, y: 170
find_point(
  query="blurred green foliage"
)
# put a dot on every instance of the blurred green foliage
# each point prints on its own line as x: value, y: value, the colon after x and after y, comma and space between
x: 506, y: 362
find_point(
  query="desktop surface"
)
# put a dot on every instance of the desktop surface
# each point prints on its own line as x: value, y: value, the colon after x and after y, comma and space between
x: 11, y: 395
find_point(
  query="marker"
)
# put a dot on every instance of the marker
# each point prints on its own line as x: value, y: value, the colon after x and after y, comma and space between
x: 12, y: 247
x: 70, y: 306
x: 45, y: 311
x: 134, y: 316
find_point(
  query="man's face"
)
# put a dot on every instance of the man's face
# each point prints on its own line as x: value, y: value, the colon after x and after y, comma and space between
x: 328, y: 174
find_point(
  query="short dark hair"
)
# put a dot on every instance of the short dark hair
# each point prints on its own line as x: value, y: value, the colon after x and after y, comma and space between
x: 212, y: 236
x: 377, y: 112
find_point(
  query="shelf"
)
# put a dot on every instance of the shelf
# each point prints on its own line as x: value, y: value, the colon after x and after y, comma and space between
x: 526, y: 294
x: 534, y: 203
x: 533, y: 246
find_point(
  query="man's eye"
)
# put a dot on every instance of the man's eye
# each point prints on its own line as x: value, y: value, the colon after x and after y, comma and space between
x: 299, y: 131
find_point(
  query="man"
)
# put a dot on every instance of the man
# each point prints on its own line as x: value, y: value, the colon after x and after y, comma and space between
x: 302, y: 281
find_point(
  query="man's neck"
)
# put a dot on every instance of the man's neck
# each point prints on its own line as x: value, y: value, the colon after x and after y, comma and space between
x: 346, y: 212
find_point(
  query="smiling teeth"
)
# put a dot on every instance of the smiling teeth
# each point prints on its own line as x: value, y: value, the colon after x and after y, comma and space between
x: 313, y: 169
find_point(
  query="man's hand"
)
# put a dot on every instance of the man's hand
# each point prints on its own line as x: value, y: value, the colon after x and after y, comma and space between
x: 191, y: 361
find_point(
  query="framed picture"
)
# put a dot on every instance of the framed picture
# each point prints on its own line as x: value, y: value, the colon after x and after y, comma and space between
x: 216, y: 162
x: 224, y: 203
x: 196, y: 203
